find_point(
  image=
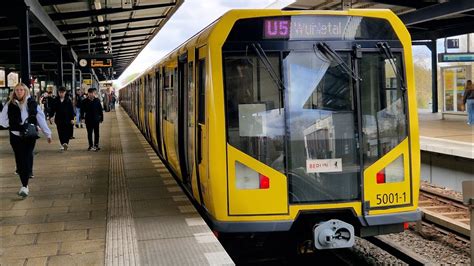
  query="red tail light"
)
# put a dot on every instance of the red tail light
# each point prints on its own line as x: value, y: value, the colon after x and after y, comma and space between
x: 381, y: 177
x: 264, y: 182
x: 405, y: 225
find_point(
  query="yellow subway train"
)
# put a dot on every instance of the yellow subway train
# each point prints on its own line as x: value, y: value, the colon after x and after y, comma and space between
x: 290, y: 121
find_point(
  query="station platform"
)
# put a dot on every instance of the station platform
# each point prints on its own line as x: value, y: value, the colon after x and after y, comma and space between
x: 117, y: 206
x: 448, y: 137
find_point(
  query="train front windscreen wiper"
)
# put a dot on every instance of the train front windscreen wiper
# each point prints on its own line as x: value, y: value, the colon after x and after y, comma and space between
x: 387, y: 53
x: 268, y: 66
x: 334, y: 57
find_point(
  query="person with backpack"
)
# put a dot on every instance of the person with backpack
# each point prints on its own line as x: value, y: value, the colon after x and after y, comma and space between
x: 22, y: 116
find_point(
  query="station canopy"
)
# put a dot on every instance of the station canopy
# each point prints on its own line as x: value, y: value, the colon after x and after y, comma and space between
x: 113, y: 28
x: 425, y: 19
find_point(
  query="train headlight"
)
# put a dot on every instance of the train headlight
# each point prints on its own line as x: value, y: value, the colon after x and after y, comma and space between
x: 394, y: 172
x: 247, y: 178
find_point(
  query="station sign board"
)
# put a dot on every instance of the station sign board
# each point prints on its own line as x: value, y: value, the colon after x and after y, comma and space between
x: 101, y: 62
x: 456, y: 57
x: 95, y: 61
x: 452, y: 43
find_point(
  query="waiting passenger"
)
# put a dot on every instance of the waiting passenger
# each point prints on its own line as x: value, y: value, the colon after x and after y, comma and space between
x: 63, y: 113
x: 468, y: 99
x: 47, y: 103
x: 78, y: 104
x: 21, y: 108
x: 93, y: 115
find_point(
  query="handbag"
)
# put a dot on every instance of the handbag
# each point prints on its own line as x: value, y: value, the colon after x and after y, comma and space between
x: 30, y: 131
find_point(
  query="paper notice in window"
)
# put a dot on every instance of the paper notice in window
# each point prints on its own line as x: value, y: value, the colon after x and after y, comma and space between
x: 252, y: 120
x: 324, y: 165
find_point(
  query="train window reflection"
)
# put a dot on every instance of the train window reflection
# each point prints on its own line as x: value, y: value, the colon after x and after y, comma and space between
x: 254, y: 118
x: 322, y: 129
x: 383, y: 107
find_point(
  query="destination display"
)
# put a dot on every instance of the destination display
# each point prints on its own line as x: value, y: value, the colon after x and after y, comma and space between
x: 95, y: 61
x: 310, y: 27
x: 101, y: 62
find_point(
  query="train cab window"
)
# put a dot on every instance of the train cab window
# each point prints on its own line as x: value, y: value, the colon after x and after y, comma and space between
x: 384, y: 120
x: 255, y: 108
x: 323, y: 161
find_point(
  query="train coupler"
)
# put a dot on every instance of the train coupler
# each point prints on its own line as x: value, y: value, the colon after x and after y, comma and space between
x: 333, y: 234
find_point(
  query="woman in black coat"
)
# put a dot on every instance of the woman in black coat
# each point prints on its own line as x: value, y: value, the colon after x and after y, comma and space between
x: 63, y: 113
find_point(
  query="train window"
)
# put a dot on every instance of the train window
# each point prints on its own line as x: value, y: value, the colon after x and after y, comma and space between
x: 167, y: 95
x: 255, y: 108
x: 202, y: 91
x: 383, y: 107
x: 321, y: 126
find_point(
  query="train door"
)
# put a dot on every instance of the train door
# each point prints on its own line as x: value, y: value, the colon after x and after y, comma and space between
x: 152, y: 111
x: 146, y: 107
x: 201, y: 134
x: 158, y: 113
x: 183, y: 118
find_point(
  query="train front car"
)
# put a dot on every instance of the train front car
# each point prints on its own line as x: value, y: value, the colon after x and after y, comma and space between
x: 320, y: 124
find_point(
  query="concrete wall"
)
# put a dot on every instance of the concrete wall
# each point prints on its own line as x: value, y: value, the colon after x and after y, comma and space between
x: 446, y: 171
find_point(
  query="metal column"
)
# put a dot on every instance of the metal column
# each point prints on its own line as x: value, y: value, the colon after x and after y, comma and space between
x: 434, y: 76
x: 25, y: 57
x: 60, y: 80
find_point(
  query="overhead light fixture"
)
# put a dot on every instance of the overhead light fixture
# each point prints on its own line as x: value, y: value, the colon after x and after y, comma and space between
x: 97, y: 5
x: 104, y: 43
x: 102, y: 28
x: 102, y: 36
x: 100, y: 18
x: 105, y: 47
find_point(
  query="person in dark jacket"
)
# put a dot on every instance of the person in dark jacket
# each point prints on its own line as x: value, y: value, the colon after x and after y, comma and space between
x: 93, y: 115
x: 63, y: 113
x: 78, y: 104
x: 19, y: 109
x: 47, y: 103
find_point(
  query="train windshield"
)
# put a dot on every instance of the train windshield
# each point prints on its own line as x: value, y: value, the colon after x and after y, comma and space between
x: 308, y: 128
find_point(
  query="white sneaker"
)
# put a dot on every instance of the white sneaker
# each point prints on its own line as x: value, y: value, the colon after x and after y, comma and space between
x: 65, y: 146
x: 61, y: 148
x: 23, y: 192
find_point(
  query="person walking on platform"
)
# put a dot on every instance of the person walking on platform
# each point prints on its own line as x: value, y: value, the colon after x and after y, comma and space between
x: 22, y: 110
x: 63, y: 114
x: 47, y: 103
x: 78, y: 104
x: 468, y: 99
x: 93, y: 115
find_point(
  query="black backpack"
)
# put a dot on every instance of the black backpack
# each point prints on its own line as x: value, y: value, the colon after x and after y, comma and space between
x: 30, y: 129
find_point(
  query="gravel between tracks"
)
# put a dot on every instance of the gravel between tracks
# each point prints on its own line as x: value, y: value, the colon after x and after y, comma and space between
x: 442, y: 190
x: 373, y: 255
x: 434, y: 246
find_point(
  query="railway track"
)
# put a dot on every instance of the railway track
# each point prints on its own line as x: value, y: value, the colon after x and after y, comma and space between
x: 447, y: 213
x: 402, y: 253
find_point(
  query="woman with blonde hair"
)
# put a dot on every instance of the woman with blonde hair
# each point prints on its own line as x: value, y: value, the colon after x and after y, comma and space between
x: 20, y: 110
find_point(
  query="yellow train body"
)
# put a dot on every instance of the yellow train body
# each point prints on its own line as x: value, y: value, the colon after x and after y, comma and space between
x: 195, y: 69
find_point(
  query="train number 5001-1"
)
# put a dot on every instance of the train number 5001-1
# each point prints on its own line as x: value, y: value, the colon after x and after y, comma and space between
x: 390, y: 198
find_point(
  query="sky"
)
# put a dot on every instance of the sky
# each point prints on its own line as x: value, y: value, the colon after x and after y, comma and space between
x: 190, y: 18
